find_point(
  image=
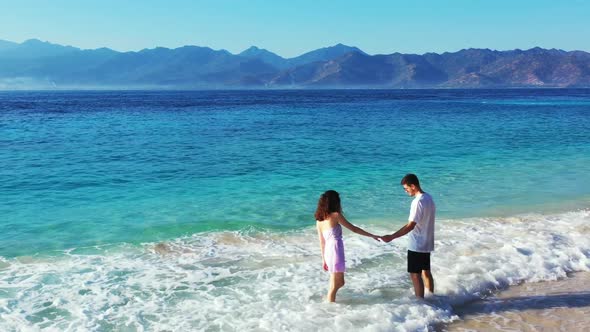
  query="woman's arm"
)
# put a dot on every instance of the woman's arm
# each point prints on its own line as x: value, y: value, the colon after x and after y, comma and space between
x: 342, y: 220
x: 322, y: 244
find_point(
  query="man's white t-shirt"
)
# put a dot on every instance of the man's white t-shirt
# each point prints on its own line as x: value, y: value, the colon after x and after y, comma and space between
x: 421, y: 238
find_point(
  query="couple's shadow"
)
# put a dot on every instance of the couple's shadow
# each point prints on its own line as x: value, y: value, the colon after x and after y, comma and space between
x: 497, y: 306
x: 521, y: 303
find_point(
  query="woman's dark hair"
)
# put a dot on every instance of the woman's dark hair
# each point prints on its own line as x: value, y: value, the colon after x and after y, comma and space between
x: 410, y: 179
x: 329, y: 202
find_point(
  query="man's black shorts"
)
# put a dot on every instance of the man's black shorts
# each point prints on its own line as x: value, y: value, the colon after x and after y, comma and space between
x: 418, y: 261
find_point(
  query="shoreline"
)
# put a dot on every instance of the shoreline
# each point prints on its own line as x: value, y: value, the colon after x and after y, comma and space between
x: 198, y: 282
x: 562, y: 304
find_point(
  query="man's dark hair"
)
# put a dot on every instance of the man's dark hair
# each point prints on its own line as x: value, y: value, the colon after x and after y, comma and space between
x: 410, y: 179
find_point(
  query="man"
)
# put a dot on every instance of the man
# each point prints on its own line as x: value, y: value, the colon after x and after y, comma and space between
x: 420, y: 228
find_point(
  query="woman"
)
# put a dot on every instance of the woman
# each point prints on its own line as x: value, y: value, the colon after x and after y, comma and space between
x: 329, y: 220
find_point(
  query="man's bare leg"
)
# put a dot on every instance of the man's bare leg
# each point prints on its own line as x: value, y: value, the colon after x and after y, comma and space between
x: 418, y: 284
x: 428, y: 280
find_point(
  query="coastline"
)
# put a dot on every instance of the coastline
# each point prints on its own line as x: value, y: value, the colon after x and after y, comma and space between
x: 560, y: 305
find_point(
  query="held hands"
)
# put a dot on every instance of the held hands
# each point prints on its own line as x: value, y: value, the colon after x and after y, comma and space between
x: 383, y: 238
x: 387, y: 238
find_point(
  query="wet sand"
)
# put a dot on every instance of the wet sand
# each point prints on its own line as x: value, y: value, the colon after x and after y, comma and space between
x: 562, y: 305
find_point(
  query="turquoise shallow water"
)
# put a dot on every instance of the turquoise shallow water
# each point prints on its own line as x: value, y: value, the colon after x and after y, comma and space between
x: 193, y: 211
x: 80, y: 169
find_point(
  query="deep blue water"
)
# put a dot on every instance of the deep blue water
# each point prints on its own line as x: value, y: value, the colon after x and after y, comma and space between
x: 84, y: 168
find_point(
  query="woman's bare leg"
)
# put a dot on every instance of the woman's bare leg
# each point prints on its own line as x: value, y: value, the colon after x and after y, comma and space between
x: 336, y: 282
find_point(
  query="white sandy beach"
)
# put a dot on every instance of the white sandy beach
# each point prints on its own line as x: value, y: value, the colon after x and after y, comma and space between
x: 562, y: 305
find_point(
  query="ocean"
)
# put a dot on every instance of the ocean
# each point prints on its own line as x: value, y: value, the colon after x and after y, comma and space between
x: 193, y: 210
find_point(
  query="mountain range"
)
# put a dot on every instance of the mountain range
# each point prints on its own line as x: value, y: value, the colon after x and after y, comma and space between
x: 43, y: 65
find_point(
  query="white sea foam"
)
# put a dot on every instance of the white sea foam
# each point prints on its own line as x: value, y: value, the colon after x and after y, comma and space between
x: 231, y: 281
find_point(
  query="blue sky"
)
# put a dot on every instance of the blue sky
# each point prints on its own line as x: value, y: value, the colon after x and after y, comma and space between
x: 290, y: 28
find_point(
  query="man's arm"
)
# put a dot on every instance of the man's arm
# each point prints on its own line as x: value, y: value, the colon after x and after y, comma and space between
x: 401, y: 232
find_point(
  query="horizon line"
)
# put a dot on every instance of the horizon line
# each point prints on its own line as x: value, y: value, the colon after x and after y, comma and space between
x: 264, y: 49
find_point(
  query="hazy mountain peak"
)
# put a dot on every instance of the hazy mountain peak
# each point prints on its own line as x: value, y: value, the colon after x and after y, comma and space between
x: 205, y: 49
x: 34, y: 48
x: 324, y: 54
x: 256, y: 51
x: 538, y: 49
x: 105, y: 49
x: 33, y: 41
x: 342, y: 48
x: 340, y: 45
x: 45, y: 44
x: 151, y: 50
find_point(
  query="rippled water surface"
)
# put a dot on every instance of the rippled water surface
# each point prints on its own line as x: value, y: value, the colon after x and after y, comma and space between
x: 167, y: 210
x: 85, y: 168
